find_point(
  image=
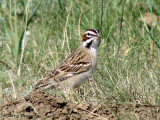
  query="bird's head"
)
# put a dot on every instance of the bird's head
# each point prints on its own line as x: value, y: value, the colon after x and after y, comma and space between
x: 91, y: 39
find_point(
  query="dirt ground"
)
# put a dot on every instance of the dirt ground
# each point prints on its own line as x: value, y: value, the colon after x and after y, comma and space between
x: 41, y: 106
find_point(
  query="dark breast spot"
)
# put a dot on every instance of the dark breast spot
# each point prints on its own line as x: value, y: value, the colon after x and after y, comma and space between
x: 89, y: 44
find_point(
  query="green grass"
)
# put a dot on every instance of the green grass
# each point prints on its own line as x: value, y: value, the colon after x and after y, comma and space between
x: 124, y: 74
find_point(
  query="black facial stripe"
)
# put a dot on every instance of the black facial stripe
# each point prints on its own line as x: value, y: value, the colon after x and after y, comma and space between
x: 97, y: 30
x: 91, y: 35
x: 94, y: 30
x: 89, y: 44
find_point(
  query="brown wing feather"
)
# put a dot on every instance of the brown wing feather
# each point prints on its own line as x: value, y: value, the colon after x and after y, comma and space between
x: 76, y: 63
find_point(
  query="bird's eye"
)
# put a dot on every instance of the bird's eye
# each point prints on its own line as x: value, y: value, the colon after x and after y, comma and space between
x: 88, y: 34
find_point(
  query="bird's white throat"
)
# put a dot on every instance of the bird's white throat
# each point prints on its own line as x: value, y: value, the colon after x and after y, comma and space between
x: 91, y: 48
x: 94, y: 51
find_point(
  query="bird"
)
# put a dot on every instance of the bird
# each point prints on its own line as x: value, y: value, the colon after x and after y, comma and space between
x: 77, y: 68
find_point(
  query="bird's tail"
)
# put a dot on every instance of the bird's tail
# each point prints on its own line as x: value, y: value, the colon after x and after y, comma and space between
x: 43, y: 84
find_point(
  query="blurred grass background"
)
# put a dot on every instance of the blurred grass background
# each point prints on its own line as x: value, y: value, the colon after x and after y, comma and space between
x: 35, y: 36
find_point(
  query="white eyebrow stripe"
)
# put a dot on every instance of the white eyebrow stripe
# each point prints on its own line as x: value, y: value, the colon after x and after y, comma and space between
x: 96, y: 31
x: 91, y: 32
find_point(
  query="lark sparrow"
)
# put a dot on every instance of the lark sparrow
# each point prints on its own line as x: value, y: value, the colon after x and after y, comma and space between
x: 77, y: 67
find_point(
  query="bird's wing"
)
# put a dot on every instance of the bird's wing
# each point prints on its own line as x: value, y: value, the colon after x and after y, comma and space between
x: 76, y: 63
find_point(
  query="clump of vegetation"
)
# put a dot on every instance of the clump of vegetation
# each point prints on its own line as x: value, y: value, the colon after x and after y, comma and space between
x: 35, y: 36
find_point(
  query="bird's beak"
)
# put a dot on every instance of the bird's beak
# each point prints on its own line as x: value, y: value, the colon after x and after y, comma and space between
x: 99, y: 37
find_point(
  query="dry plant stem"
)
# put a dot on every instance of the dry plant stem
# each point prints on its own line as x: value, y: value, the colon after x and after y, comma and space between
x: 79, y: 28
x: 152, y: 51
x: 23, y: 47
x: 94, y: 114
x: 10, y: 17
x: 65, y: 30
x: 1, y: 92
x: 134, y: 41
x: 15, y: 93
